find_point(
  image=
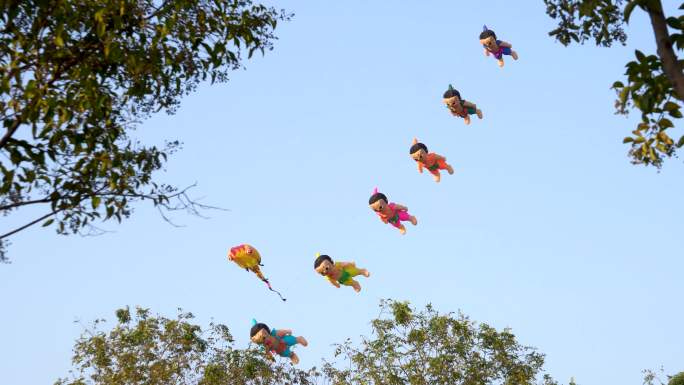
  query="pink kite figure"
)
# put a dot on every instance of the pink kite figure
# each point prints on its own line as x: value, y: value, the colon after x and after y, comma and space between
x: 392, y: 213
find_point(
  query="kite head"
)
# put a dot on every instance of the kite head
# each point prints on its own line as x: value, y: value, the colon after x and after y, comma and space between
x: 323, y: 264
x: 378, y: 201
x: 450, y: 93
x: 244, y: 255
x: 488, y: 38
x: 418, y: 151
x: 259, y: 332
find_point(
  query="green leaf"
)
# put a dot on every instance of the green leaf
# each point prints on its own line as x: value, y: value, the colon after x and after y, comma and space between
x: 618, y: 84
x: 48, y: 222
x: 669, y: 106
x: 98, y: 15
x: 627, y: 140
x: 665, y: 123
x: 680, y: 143
x: 95, y: 202
x: 639, y: 55
x: 674, y: 22
x: 675, y: 114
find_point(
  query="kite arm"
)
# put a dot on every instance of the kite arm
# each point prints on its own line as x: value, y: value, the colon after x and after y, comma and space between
x: 420, y: 167
x: 400, y: 207
x: 486, y: 52
x: 333, y: 282
x: 345, y: 264
x: 283, y: 332
x: 469, y: 104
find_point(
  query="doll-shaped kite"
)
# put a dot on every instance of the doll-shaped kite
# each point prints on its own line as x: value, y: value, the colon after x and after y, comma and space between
x: 433, y: 162
x: 389, y: 212
x: 495, y: 47
x: 339, y: 273
x: 458, y: 106
x: 275, y: 341
x: 249, y: 259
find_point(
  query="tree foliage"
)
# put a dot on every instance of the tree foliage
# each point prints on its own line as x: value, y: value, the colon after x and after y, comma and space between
x: 654, y: 84
x: 77, y: 76
x: 153, y: 350
x: 677, y: 379
x: 407, y: 348
x: 428, y: 348
x: 652, y: 377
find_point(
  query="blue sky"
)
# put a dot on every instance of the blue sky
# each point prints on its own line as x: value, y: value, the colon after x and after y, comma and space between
x: 545, y: 227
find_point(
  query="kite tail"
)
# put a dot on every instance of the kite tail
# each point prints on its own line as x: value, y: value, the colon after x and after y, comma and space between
x: 259, y: 274
x: 271, y: 289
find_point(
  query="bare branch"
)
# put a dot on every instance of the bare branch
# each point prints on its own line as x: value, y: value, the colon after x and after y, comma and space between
x: 48, y: 215
x: 24, y: 203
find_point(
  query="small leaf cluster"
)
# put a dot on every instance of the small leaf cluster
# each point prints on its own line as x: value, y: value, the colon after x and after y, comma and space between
x: 652, y: 377
x: 580, y: 20
x: 650, y: 91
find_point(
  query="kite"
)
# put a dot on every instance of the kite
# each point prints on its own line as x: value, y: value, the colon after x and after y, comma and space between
x: 392, y: 213
x: 339, y: 273
x: 460, y: 107
x: 494, y: 47
x: 433, y: 162
x: 249, y: 259
x: 276, y: 341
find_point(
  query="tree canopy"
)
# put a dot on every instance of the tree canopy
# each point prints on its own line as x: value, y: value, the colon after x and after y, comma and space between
x: 76, y: 77
x: 145, y: 349
x: 408, y: 347
x: 654, y: 83
x: 429, y: 348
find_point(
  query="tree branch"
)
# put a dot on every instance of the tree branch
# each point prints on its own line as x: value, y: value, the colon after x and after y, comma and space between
x: 20, y: 120
x: 666, y: 53
x: 17, y: 204
x: 158, y: 10
x: 48, y: 215
x: 10, y: 131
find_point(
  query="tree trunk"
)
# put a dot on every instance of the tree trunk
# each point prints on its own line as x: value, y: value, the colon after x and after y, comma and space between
x: 671, y: 65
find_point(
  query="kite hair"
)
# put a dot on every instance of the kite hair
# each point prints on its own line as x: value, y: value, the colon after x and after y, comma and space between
x: 376, y: 197
x: 257, y: 328
x: 487, y: 33
x: 451, y: 92
x: 418, y: 146
x: 320, y: 260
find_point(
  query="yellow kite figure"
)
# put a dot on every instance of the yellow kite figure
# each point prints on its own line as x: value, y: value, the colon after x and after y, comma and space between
x: 249, y: 259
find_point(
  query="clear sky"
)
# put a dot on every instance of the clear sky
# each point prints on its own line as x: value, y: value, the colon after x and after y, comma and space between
x: 545, y: 227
